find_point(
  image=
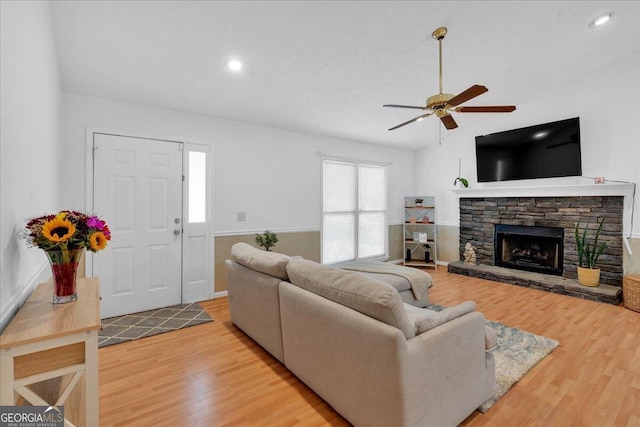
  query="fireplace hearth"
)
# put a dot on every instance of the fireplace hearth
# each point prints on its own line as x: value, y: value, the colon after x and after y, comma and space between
x: 544, y: 282
x: 529, y: 248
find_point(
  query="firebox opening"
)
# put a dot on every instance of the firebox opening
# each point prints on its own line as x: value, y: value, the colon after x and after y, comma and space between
x: 537, y: 249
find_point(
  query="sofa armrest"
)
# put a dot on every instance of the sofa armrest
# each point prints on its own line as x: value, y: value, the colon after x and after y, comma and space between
x: 447, y: 368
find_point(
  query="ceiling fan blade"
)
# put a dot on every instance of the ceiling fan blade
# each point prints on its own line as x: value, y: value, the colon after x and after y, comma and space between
x: 404, y: 106
x: 448, y: 122
x: 412, y: 120
x: 468, y: 94
x: 487, y: 109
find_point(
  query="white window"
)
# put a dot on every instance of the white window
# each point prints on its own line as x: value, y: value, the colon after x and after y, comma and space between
x: 197, y: 183
x: 197, y: 228
x: 354, y: 211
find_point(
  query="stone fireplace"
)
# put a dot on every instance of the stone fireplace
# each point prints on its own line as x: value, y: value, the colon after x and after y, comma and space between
x: 537, y: 234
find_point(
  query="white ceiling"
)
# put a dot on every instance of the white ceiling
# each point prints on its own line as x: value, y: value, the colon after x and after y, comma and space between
x: 327, y: 67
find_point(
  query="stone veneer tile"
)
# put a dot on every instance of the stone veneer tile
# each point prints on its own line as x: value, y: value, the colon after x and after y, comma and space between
x: 478, y: 217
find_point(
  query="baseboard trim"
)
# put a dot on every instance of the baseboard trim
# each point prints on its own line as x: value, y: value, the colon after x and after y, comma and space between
x: 17, y: 300
x: 400, y: 261
x: 220, y: 294
x: 274, y: 230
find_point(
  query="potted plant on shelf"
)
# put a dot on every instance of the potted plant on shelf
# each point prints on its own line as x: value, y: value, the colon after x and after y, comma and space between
x: 419, y: 202
x: 463, y: 182
x: 588, y: 254
x: 266, y: 240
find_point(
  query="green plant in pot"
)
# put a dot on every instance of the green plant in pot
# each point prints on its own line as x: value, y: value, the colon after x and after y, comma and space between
x: 266, y: 240
x: 464, y: 183
x: 589, y: 250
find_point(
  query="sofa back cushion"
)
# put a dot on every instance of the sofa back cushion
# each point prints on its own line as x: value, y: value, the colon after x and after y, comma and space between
x: 271, y: 263
x: 370, y: 297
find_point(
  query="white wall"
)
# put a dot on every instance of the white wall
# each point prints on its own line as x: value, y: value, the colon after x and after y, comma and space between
x: 608, y: 104
x: 29, y: 143
x: 271, y: 174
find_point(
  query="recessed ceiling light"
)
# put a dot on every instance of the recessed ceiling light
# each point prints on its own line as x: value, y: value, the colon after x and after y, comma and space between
x: 234, y: 64
x: 601, y: 19
x: 541, y: 134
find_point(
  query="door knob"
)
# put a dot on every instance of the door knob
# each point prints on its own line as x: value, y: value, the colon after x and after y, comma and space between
x: 176, y: 232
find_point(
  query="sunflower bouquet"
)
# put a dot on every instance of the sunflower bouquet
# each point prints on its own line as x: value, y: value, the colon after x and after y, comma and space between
x: 67, y: 230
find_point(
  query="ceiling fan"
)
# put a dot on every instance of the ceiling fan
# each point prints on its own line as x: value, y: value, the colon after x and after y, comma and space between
x: 443, y: 104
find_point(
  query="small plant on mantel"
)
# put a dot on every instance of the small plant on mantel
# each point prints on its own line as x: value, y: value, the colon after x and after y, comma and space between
x: 266, y: 240
x: 462, y: 181
x: 588, y: 253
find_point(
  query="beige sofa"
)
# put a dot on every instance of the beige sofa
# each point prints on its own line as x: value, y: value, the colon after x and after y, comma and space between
x: 376, y: 360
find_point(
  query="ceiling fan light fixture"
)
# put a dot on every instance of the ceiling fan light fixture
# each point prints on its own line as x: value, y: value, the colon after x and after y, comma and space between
x: 601, y: 19
x: 442, y: 104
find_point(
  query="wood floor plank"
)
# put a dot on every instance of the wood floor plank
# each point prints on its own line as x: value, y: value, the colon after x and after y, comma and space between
x: 214, y: 375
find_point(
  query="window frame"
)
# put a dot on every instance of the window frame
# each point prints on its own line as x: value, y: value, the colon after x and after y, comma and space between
x: 357, y: 212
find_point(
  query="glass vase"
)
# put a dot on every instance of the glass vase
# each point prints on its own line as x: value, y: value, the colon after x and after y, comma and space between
x: 64, y: 266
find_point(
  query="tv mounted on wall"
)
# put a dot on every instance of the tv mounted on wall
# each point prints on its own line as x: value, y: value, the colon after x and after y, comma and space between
x: 541, y: 151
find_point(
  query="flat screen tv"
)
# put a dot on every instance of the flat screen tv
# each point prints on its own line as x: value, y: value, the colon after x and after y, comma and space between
x: 541, y: 151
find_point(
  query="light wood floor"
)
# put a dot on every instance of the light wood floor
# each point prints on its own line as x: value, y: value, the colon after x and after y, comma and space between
x: 214, y: 375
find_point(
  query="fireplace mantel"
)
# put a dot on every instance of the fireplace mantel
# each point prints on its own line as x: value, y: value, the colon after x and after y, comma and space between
x: 557, y: 190
x: 613, y: 189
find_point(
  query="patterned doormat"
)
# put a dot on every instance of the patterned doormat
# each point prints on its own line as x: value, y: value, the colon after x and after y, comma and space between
x: 516, y: 352
x: 130, y: 327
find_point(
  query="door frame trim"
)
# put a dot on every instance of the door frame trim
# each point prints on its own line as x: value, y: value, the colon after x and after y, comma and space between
x: 186, y: 142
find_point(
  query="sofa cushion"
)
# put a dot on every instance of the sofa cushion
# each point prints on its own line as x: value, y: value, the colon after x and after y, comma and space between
x: 416, y: 313
x: 365, y: 295
x: 271, y: 263
x: 436, y: 318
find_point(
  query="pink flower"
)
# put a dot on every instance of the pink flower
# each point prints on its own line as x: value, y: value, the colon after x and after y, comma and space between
x: 95, y: 222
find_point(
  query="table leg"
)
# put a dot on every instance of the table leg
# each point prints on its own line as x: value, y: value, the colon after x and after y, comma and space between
x: 91, y: 378
x: 7, y: 394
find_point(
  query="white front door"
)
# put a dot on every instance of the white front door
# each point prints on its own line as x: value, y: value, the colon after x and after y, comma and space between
x: 138, y: 192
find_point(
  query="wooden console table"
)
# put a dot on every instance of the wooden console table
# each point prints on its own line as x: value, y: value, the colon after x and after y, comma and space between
x: 49, y: 353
